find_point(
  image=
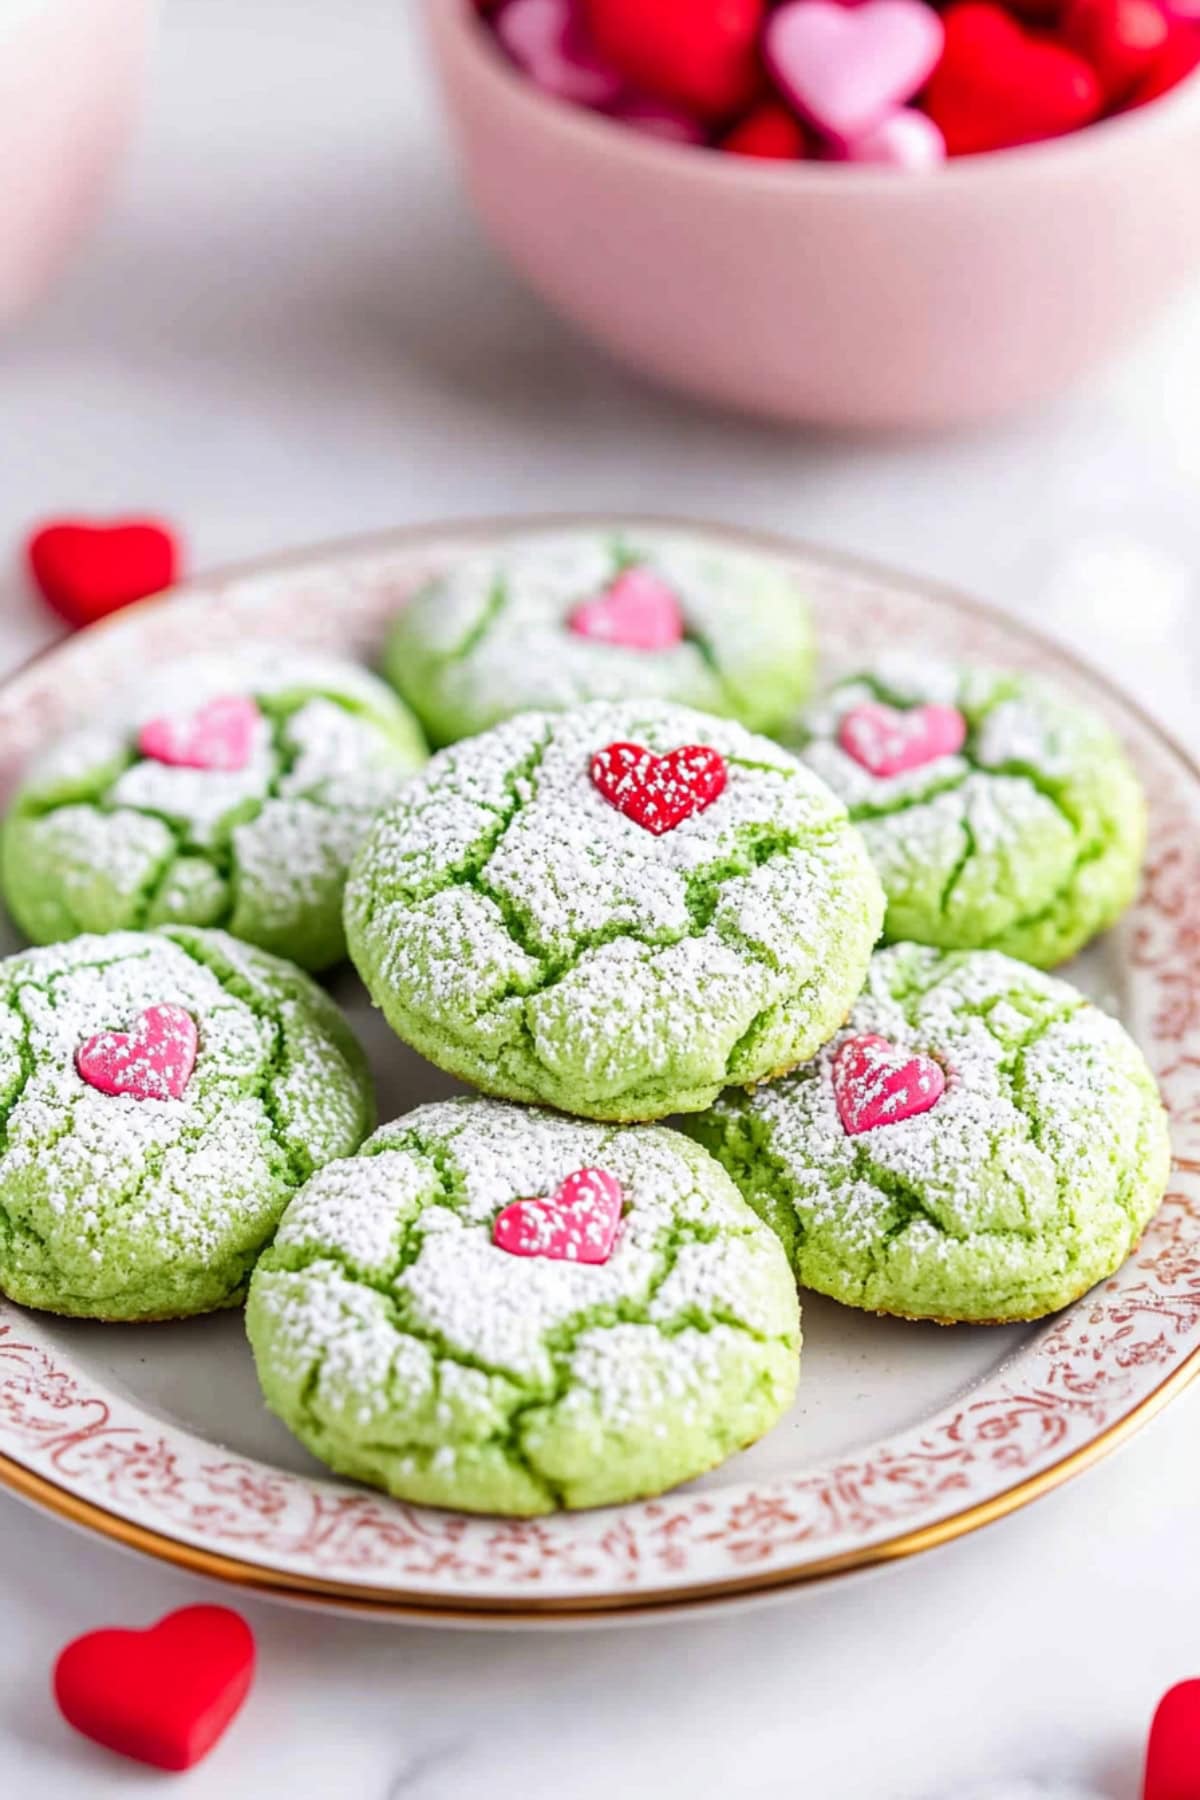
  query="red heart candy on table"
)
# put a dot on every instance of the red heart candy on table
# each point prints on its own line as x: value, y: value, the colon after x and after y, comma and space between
x: 162, y: 1696
x: 154, y: 1061
x: 845, y: 68
x: 1121, y: 39
x: 888, y: 740
x: 700, y: 54
x: 770, y: 132
x: 86, y: 571
x: 637, y: 610
x: 1173, y: 1752
x: 659, y: 792
x: 1179, y: 59
x: 876, y: 1084
x: 578, y: 1223
x: 997, y: 85
x: 544, y: 39
x: 218, y: 735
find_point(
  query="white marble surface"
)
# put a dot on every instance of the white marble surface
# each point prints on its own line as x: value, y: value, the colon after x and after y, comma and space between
x: 287, y: 329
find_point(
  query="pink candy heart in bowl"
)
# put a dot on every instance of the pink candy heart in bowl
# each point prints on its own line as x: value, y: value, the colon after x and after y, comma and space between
x: 845, y: 68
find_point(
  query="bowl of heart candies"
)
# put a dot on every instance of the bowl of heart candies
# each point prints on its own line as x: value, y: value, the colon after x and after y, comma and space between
x: 871, y: 215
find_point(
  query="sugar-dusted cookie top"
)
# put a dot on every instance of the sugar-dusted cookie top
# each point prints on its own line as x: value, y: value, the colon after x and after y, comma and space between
x: 999, y: 813
x: 978, y: 1142
x: 508, y: 1311
x: 224, y: 790
x: 162, y: 1095
x: 614, y: 910
x: 554, y: 620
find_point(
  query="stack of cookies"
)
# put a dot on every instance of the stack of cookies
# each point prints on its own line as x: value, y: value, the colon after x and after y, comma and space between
x: 638, y: 881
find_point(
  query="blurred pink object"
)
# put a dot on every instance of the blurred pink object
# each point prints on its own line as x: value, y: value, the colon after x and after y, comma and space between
x: 845, y: 68
x: 545, y: 39
x: 70, y: 75
x: 825, y: 292
x: 657, y: 118
x: 906, y: 139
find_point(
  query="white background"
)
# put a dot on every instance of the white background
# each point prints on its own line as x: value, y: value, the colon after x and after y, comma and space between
x: 288, y: 329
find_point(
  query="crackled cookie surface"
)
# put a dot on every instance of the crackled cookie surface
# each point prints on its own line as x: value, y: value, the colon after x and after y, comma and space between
x: 979, y: 1142
x: 229, y: 791
x: 615, y: 910
x: 508, y: 1311
x: 556, y: 620
x: 163, y: 1094
x: 999, y: 814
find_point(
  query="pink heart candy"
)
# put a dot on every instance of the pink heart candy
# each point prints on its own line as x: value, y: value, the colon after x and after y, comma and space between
x: 906, y: 139
x: 545, y: 39
x: 637, y: 610
x: 578, y: 1223
x: 845, y: 68
x: 887, y: 741
x: 219, y: 735
x: 876, y: 1084
x: 154, y: 1061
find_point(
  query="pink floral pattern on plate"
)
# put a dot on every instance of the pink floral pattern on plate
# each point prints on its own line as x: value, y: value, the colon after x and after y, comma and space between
x: 1076, y: 1379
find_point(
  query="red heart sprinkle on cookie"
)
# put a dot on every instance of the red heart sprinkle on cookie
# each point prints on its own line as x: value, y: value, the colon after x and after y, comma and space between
x: 162, y: 1696
x: 1173, y: 1753
x: 659, y: 792
x: 998, y: 85
x: 637, y: 610
x: 218, y: 736
x: 876, y: 1084
x: 576, y: 1224
x: 887, y: 741
x: 154, y: 1061
x: 86, y: 571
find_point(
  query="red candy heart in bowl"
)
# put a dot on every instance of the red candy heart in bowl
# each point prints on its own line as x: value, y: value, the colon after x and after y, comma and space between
x: 154, y: 1061
x: 700, y: 54
x: 876, y: 1084
x: 162, y: 1696
x: 659, y: 792
x: 637, y: 610
x: 997, y: 85
x: 578, y: 1223
x: 86, y: 570
x: 889, y: 740
x: 1121, y: 39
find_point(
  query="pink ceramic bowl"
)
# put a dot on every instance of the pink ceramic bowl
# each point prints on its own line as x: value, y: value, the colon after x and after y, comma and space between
x: 70, y: 72
x: 810, y: 292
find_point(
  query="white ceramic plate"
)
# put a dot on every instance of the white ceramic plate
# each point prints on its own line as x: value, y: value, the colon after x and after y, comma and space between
x: 902, y: 1437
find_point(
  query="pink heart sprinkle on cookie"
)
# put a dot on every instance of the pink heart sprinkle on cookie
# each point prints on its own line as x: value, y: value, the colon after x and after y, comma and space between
x: 659, y: 792
x: 576, y: 1224
x: 219, y: 736
x: 876, y: 1084
x: 545, y: 39
x: 637, y: 610
x: 845, y: 68
x: 888, y: 741
x: 154, y: 1061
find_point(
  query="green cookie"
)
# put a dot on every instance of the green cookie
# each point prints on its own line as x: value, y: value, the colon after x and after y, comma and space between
x: 502, y: 633
x: 404, y: 1346
x: 524, y: 933
x: 102, y: 837
x: 1030, y: 1179
x: 115, y: 1206
x: 1029, y: 840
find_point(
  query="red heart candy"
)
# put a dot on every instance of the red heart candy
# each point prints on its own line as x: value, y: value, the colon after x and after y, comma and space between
x: 876, y: 1084
x: 887, y: 741
x: 637, y: 610
x: 1180, y: 57
x: 1122, y: 39
x: 87, y: 571
x: 997, y: 85
x: 576, y: 1224
x: 219, y: 735
x: 701, y: 54
x: 154, y: 1061
x: 161, y: 1696
x: 659, y: 792
x: 770, y: 131
x: 1173, y: 1753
